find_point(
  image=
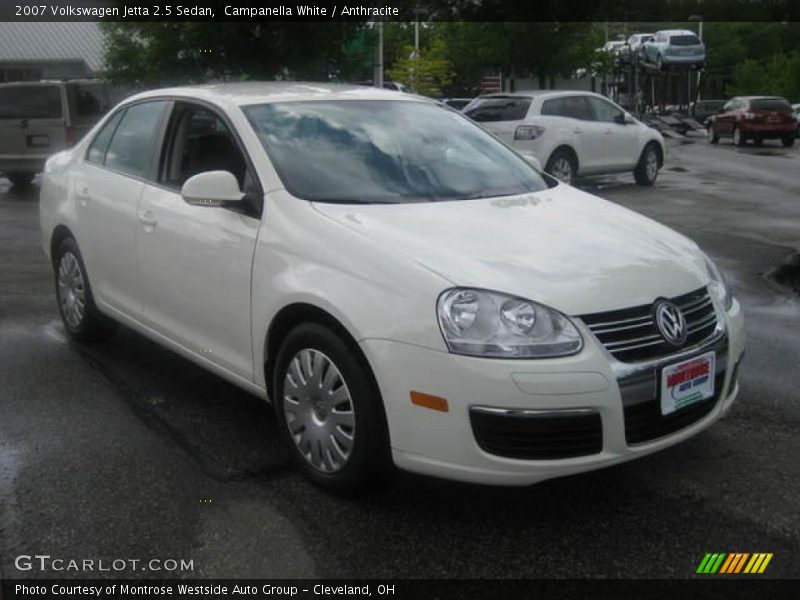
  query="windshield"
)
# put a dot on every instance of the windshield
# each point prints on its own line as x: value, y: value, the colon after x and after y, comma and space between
x: 386, y: 151
x: 30, y: 102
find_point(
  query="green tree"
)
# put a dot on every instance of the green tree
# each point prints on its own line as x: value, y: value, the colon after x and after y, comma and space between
x: 149, y: 53
x: 425, y: 72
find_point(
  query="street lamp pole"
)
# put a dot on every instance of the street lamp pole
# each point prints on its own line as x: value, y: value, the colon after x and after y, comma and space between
x: 378, y: 72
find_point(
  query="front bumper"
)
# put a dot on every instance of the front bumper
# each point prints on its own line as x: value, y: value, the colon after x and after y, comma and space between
x: 443, y: 444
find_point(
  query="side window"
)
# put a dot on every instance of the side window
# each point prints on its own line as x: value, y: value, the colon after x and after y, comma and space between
x: 577, y: 108
x: 604, y: 111
x: 198, y: 141
x: 553, y: 108
x: 98, y: 147
x: 131, y: 148
x: 499, y: 108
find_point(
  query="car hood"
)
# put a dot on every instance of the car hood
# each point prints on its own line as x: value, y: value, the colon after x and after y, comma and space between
x: 561, y: 247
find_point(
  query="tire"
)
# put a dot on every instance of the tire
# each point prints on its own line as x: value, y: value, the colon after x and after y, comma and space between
x: 738, y: 137
x: 20, y: 178
x: 81, y: 318
x: 562, y: 166
x: 787, y: 141
x: 712, y: 135
x: 646, y: 170
x: 341, y: 454
x: 757, y: 141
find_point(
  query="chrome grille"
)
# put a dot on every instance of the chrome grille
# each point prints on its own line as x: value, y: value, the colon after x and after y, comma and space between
x: 630, y: 334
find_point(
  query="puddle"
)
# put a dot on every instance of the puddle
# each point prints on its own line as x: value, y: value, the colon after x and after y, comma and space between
x: 787, y: 274
x: 678, y: 169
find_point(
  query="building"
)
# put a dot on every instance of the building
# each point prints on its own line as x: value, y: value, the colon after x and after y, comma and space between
x: 44, y: 50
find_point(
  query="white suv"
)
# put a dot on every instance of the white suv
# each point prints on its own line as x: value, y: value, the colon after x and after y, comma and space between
x: 572, y: 133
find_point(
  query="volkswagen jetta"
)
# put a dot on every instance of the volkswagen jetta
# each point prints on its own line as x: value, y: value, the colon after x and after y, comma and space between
x: 401, y: 285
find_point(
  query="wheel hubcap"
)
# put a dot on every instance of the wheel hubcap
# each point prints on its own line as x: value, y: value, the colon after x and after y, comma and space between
x: 651, y: 165
x: 71, y: 290
x: 319, y: 410
x: 562, y: 170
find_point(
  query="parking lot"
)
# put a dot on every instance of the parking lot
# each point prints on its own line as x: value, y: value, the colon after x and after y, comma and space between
x: 124, y: 450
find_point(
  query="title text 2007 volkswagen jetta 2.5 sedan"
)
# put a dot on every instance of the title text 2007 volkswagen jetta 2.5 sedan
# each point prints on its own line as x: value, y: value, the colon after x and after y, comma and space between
x: 404, y: 287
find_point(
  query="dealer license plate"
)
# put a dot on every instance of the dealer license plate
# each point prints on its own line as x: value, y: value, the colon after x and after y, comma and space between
x: 38, y: 141
x: 687, y: 382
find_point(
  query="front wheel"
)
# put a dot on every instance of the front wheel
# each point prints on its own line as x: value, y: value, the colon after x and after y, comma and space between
x: 788, y: 141
x: 647, y: 168
x: 329, y: 409
x: 79, y: 313
x: 712, y: 135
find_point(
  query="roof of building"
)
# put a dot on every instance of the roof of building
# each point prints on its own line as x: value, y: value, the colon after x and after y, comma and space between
x: 46, y: 41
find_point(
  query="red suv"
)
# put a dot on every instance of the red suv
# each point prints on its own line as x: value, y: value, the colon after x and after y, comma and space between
x: 754, y: 117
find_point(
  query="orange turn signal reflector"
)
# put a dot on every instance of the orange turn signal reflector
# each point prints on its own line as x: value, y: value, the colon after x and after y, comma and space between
x: 429, y: 401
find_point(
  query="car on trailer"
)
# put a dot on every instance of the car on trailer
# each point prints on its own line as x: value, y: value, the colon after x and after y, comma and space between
x: 675, y: 48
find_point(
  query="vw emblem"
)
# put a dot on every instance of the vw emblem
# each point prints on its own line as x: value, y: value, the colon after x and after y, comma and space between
x: 670, y: 322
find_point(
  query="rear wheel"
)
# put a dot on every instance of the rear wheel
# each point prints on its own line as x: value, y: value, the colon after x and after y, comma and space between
x: 562, y: 166
x: 738, y: 137
x: 81, y: 318
x: 647, y: 168
x: 788, y: 141
x: 329, y: 409
x: 20, y: 178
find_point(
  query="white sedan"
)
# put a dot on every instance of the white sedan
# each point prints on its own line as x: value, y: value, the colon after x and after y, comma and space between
x: 401, y: 285
x: 572, y: 133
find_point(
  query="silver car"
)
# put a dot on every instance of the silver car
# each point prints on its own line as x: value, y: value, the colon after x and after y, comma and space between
x: 675, y: 47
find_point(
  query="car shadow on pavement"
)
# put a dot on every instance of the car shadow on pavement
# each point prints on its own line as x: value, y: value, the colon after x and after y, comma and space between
x: 229, y: 432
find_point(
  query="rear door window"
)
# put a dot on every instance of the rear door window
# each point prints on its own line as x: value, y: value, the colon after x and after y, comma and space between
x: 499, y: 108
x: 132, y: 146
x: 554, y: 107
x: 98, y: 147
x: 577, y: 108
x: 30, y: 102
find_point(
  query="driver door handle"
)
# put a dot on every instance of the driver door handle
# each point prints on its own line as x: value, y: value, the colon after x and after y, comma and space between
x: 148, y: 219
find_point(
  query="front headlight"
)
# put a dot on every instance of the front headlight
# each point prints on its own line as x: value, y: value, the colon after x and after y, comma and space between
x: 482, y: 323
x: 718, y: 286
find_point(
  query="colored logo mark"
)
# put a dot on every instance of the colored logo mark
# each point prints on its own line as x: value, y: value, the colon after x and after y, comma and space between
x: 732, y: 563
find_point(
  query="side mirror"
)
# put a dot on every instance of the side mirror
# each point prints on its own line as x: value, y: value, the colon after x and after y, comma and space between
x: 211, y: 188
x: 624, y: 119
x: 532, y: 160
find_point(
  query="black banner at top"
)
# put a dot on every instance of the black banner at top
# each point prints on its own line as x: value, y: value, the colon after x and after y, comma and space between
x: 399, y: 10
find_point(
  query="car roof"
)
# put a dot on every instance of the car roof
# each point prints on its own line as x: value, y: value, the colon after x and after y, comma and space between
x: 761, y: 98
x: 246, y: 93
x: 538, y: 93
x: 677, y: 32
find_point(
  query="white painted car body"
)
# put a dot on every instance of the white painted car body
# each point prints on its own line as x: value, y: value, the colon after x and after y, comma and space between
x: 208, y: 282
x: 599, y: 146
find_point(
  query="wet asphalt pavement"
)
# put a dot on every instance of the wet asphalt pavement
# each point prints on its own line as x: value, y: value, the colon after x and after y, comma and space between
x: 124, y: 450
